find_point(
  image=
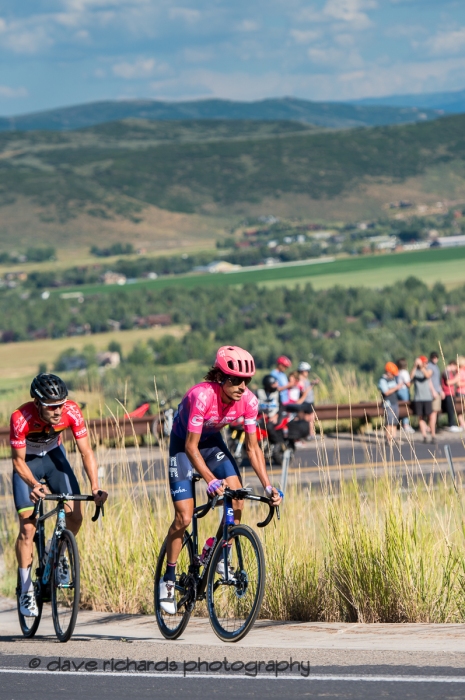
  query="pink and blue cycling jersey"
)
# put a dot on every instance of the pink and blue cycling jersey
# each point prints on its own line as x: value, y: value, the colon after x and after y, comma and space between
x: 202, y: 411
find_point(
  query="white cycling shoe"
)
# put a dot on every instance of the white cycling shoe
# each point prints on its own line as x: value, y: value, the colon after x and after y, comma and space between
x: 166, y: 596
x: 28, y: 604
x: 220, y: 570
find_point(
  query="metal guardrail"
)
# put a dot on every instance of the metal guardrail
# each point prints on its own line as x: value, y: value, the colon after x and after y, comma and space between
x: 108, y: 428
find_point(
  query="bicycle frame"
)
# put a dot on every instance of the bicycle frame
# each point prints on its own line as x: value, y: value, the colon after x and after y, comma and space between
x: 44, y: 572
x: 223, y: 531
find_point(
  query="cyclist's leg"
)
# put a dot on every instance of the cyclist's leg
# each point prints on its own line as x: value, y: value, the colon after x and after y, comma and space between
x: 182, y: 494
x: 27, y: 527
x: 61, y: 479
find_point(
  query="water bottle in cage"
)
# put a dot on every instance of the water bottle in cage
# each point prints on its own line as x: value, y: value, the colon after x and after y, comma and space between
x: 207, y: 550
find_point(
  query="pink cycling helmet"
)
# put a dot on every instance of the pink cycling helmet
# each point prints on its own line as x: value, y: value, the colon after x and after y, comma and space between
x: 283, y: 360
x: 235, y: 361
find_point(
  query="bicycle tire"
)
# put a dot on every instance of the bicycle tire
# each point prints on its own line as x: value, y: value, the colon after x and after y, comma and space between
x: 30, y: 625
x: 172, y: 626
x: 231, y: 610
x: 65, y: 598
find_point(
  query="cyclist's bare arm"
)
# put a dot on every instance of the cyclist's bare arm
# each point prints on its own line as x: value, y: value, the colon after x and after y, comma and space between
x: 257, y: 460
x: 196, y: 459
x: 18, y: 455
x: 90, y: 467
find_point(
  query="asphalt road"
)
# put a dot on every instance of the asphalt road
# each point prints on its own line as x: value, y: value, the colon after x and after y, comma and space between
x: 19, y: 682
x: 330, y: 456
x: 114, y: 656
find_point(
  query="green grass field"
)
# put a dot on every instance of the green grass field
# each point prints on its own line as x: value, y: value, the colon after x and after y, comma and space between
x: 446, y: 265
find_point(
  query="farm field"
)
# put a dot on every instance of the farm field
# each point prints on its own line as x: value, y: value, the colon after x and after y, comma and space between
x: 446, y: 266
x: 22, y: 359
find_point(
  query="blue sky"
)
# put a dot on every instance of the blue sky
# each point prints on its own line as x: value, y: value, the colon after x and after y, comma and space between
x: 62, y: 52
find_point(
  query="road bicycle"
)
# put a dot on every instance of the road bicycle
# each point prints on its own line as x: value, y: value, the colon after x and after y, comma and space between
x: 233, y: 597
x: 55, y: 573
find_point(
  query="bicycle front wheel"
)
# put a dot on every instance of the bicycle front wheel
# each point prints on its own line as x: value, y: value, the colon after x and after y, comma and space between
x: 65, y: 585
x: 172, y: 626
x: 234, y: 601
x: 29, y: 625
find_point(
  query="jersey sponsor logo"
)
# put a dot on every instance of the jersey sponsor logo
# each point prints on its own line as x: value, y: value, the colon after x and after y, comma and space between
x: 81, y: 433
x: 173, y: 473
x: 253, y: 401
x: 219, y: 455
x: 75, y: 413
x: 200, y: 405
x: 196, y: 420
x: 250, y: 421
x: 173, y: 462
x: 19, y: 423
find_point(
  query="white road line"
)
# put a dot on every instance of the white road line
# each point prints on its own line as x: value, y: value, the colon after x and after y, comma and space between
x: 228, y: 676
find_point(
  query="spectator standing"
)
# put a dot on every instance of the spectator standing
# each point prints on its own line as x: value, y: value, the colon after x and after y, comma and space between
x: 424, y: 394
x: 448, y: 381
x: 389, y: 386
x: 436, y: 382
x: 306, y: 389
x: 460, y: 393
x: 404, y: 392
x: 298, y: 401
x: 283, y: 363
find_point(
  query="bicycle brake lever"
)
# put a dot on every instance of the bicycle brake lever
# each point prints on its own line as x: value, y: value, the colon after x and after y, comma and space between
x: 214, y: 502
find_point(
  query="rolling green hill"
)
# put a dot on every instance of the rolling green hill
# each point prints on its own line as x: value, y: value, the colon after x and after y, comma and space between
x: 114, y: 173
x: 326, y: 114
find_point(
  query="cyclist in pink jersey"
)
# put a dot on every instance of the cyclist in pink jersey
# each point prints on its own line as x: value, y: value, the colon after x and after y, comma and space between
x: 196, y: 444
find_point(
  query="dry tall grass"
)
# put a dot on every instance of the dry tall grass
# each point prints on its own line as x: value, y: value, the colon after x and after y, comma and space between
x: 389, y: 549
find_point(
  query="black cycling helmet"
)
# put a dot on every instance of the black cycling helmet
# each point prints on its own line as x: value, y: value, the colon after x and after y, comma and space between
x: 49, y: 389
x: 269, y: 382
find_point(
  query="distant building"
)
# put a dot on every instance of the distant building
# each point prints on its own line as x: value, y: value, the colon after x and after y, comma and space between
x: 113, y: 278
x: 108, y: 359
x: 448, y: 242
x: 217, y: 266
x: 153, y: 321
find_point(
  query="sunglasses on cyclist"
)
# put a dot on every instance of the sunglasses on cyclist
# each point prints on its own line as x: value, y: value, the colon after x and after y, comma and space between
x: 53, y: 407
x: 237, y: 381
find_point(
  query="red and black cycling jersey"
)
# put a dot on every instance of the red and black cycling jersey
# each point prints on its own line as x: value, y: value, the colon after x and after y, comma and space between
x: 27, y: 429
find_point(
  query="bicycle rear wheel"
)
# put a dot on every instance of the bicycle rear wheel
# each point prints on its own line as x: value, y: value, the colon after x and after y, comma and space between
x: 172, y: 626
x: 65, y: 585
x: 29, y: 625
x: 233, y: 605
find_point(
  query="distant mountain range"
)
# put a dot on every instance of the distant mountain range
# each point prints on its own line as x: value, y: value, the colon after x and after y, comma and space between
x: 322, y: 114
x: 450, y: 102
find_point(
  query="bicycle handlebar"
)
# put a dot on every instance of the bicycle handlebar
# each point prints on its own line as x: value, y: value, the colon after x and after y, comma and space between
x: 69, y: 497
x: 239, y: 495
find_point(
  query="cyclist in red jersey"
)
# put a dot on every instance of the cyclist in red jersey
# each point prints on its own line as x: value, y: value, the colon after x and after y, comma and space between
x: 37, y: 453
x: 196, y: 443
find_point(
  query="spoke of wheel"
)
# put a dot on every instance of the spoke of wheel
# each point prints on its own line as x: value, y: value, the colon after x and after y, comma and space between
x: 65, y: 594
x: 172, y: 622
x: 234, y: 603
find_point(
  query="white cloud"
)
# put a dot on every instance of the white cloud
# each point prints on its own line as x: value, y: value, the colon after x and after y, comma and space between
x: 350, y: 11
x: 304, y: 36
x: 142, y: 68
x: 448, y: 42
x: 25, y: 40
x: 247, y: 25
x: 12, y: 93
x: 332, y: 56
